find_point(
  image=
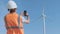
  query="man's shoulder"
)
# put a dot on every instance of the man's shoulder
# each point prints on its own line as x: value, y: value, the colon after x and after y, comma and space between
x: 16, y: 14
x: 6, y: 15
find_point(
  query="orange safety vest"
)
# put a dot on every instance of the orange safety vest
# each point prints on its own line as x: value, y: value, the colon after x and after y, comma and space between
x: 11, y: 25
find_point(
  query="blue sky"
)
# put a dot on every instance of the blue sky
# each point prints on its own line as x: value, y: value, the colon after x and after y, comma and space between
x: 34, y: 8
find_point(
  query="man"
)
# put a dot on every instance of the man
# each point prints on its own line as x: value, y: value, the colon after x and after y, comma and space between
x: 13, y: 22
x: 27, y: 20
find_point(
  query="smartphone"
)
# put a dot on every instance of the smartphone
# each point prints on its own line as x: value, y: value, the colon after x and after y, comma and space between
x: 25, y: 13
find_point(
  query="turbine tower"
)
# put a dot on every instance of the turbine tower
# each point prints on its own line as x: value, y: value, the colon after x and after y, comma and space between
x: 44, y: 24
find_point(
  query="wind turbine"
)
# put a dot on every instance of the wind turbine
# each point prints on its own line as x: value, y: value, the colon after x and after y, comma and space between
x: 44, y: 23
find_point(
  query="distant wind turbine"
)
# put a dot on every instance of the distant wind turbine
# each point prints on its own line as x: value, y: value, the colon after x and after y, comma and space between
x: 44, y: 25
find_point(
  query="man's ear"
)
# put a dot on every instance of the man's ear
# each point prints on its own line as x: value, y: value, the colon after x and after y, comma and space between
x: 8, y: 9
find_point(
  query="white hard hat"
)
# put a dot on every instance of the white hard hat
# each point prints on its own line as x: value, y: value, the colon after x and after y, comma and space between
x: 11, y: 4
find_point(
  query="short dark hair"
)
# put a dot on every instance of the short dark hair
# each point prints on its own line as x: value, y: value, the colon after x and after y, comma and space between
x: 12, y: 10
